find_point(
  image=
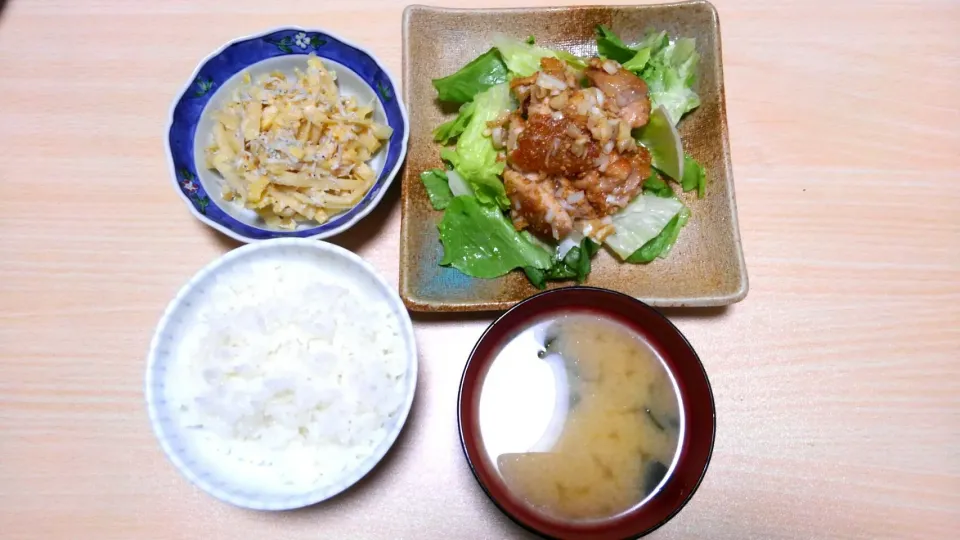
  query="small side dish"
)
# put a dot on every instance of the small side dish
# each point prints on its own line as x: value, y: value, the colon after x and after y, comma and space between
x: 290, y: 133
x: 292, y: 148
x: 281, y: 374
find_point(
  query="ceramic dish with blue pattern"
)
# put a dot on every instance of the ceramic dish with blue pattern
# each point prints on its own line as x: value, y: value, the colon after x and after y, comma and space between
x: 359, y: 74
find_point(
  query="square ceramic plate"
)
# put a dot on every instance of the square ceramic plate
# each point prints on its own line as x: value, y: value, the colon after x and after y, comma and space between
x: 705, y: 268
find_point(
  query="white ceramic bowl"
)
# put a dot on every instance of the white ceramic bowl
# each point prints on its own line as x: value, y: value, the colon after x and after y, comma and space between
x: 338, y: 266
x: 359, y: 74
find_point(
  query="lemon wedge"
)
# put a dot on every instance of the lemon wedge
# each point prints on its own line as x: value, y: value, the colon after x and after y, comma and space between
x: 661, y: 138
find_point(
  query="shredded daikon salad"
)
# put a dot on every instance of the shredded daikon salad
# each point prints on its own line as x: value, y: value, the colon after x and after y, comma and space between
x: 287, y: 377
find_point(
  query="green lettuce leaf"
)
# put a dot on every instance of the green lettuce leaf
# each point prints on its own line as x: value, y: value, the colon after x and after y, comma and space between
x: 522, y: 59
x: 639, y: 60
x: 642, y: 220
x: 575, y: 265
x: 609, y: 45
x: 694, y: 177
x: 570, y: 59
x: 480, y: 241
x: 458, y: 186
x: 670, y: 75
x: 450, y: 130
x: 577, y: 259
x: 450, y: 156
x: 438, y: 188
x: 537, y: 241
x: 661, y: 244
x: 655, y: 185
x: 536, y: 276
x: 655, y: 41
x: 481, y: 73
x: 475, y: 158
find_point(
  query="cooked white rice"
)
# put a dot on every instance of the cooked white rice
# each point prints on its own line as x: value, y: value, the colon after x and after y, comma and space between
x: 288, y: 377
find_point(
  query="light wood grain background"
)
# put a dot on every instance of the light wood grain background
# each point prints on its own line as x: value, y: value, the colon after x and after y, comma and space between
x: 837, y: 380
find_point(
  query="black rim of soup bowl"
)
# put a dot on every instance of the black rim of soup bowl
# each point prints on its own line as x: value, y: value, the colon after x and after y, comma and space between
x: 694, y: 449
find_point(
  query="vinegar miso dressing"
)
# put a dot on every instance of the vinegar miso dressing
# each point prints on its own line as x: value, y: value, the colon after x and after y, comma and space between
x: 580, y: 417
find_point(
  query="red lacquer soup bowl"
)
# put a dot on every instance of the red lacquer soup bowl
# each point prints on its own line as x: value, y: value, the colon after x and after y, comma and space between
x: 694, y: 428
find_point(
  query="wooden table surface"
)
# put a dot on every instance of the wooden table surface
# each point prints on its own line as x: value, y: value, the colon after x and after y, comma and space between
x: 837, y: 380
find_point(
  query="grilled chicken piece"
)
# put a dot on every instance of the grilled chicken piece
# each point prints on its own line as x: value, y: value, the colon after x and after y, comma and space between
x: 533, y: 98
x: 534, y: 205
x: 612, y: 190
x: 569, y: 152
x: 627, y: 90
x: 522, y: 81
x: 573, y: 199
x: 554, y: 146
x: 555, y: 68
x: 637, y: 113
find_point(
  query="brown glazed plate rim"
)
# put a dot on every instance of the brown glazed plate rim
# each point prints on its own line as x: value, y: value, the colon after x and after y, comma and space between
x: 695, y: 449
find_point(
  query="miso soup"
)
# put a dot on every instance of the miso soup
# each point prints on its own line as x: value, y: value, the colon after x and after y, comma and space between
x: 580, y: 417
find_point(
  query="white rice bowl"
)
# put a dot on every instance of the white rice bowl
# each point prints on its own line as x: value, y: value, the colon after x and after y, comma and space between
x: 281, y: 374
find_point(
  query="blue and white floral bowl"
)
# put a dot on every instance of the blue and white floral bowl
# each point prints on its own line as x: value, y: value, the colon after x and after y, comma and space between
x: 359, y: 73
